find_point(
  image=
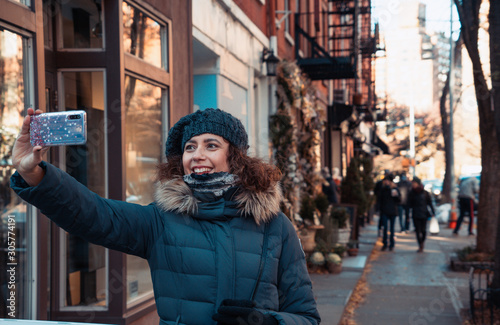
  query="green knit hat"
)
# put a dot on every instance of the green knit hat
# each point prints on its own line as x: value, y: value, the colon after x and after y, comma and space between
x: 210, y: 120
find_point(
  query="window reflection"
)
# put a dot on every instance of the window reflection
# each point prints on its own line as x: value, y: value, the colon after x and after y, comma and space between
x: 81, y: 22
x: 143, y: 138
x: 85, y: 269
x: 14, y: 224
x: 24, y: 2
x: 142, y: 36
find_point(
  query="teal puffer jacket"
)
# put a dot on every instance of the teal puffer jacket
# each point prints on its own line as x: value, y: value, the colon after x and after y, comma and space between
x: 199, y: 253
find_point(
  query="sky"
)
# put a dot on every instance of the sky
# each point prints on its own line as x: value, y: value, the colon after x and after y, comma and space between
x: 437, y: 14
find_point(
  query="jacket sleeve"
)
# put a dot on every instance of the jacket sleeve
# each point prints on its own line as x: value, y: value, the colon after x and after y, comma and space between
x: 428, y: 201
x: 117, y: 225
x: 297, y: 304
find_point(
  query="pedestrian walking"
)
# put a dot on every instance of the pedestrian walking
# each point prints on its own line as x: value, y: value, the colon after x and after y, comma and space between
x: 377, y: 191
x: 420, y: 203
x: 389, y: 200
x: 467, y: 198
x: 404, y: 186
x: 329, y: 188
x: 219, y: 249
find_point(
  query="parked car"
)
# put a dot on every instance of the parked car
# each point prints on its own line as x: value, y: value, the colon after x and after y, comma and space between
x: 435, y: 187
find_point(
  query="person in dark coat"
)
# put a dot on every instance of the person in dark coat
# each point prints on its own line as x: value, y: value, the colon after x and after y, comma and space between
x: 377, y: 191
x: 219, y: 249
x: 404, y: 186
x: 388, y: 205
x: 420, y: 202
x: 329, y: 188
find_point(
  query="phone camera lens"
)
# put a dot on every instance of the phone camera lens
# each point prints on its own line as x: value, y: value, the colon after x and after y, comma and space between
x: 74, y: 117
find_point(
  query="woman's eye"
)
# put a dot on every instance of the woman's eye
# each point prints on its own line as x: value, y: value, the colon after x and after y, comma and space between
x: 212, y: 146
x: 189, y: 147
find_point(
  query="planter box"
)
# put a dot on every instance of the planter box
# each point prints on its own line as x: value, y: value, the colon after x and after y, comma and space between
x: 334, y: 268
x: 344, y: 235
x: 464, y: 266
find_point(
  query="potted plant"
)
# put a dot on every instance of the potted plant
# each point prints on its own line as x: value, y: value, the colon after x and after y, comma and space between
x: 340, y: 218
x: 339, y: 249
x: 317, y: 261
x: 333, y: 263
x: 311, y: 224
x: 352, y: 248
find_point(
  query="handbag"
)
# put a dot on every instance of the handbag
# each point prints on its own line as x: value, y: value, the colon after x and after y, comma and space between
x: 434, y: 226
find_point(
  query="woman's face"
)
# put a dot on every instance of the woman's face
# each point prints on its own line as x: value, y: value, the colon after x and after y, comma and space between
x: 205, y: 153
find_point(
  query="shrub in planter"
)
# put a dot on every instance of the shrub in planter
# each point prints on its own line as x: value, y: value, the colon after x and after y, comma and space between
x: 316, y: 261
x: 321, y: 202
x: 317, y: 258
x: 334, y: 263
x: 308, y: 210
x: 339, y: 249
x: 333, y: 258
x: 340, y: 216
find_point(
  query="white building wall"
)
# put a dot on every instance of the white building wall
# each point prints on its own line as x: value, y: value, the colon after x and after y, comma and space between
x: 243, y: 89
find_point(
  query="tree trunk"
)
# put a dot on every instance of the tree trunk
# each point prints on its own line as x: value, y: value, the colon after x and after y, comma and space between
x: 445, y: 128
x: 494, y: 29
x: 488, y: 210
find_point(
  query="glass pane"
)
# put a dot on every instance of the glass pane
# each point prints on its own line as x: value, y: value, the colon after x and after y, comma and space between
x: 47, y: 23
x: 143, y: 138
x: 81, y: 22
x: 85, y: 269
x: 142, y: 36
x: 14, y: 223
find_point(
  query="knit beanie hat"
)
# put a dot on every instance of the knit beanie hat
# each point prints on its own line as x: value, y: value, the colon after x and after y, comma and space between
x: 210, y: 120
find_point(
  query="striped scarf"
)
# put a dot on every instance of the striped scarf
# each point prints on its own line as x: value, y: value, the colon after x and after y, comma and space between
x: 216, y: 183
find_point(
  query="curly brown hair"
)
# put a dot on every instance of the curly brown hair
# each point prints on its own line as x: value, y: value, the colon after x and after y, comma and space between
x: 254, y: 173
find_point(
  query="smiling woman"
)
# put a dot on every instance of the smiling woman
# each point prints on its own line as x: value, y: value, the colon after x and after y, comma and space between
x: 219, y: 248
x: 205, y: 153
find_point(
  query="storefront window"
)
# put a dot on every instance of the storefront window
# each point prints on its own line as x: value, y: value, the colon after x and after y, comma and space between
x: 84, y: 265
x: 17, y: 221
x: 143, y: 37
x: 144, y: 143
x: 81, y: 24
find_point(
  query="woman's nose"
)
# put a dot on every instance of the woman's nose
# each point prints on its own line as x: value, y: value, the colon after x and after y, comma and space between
x: 199, y: 153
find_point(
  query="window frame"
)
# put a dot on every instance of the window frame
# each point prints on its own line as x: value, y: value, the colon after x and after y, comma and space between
x: 165, y: 32
x: 61, y: 255
x: 165, y: 106
x: 59, y: 37
x: 30, y: 284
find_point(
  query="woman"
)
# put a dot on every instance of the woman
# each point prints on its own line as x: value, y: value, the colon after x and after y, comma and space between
x: 219, y: 249
x: 420, y: 201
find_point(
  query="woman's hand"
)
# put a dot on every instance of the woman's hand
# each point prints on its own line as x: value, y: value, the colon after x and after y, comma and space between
x: 25, y: 157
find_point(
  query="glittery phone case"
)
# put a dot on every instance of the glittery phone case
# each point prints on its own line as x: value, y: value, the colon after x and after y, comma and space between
x: 58, y: 129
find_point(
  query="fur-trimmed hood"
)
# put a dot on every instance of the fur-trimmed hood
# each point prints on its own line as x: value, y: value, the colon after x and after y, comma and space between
x: 176, y: 196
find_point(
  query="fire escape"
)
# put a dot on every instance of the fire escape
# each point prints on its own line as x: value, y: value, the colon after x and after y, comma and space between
x: 326, y: 41
x: 338, y: 43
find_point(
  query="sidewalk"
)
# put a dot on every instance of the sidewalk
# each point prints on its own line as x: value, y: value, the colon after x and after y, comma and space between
x: 405, y: 287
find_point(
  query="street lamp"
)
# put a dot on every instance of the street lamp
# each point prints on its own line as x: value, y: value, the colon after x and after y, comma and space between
x: 271, y: 62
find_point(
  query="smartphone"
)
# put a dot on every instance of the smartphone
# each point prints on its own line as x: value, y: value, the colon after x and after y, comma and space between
x: 58, y: 128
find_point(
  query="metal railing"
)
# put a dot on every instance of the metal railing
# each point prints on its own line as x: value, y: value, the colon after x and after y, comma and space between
x: 482, y: 307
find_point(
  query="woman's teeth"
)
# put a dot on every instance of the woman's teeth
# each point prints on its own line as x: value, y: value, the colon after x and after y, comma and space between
x: 201, y: 170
